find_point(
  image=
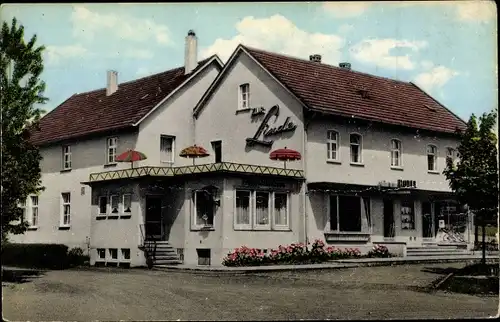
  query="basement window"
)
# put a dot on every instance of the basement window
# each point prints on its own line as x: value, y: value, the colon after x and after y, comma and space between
x: 101, y: 253
x: 203, y: 256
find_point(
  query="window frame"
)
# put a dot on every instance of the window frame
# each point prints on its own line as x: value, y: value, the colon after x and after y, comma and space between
x: 98, y: 257
x: 435, y: 154
x: 236, y: 225
x: 121, y: 256
x: 172, y: 159
x: 24, y: 206
x: 194, y: 224
x: 329, y: 142
x: 32, y: 212
x: 63, y: 215
x: 122, y: 205
x: 66, y: 152
x: 360, y: 148
x: 328, y: 206
x: 240, y: 96
x: 110, y: 208
x: 105, y: 213
x: 400, y: 151
x: 271, y: 225
x: 109, y: 147
x: 110, y: 258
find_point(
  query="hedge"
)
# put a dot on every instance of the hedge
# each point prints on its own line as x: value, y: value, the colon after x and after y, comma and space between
x: 49, y: 256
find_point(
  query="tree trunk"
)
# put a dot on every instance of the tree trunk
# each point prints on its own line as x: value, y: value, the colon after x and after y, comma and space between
x: 483, y: 225
x: 476, y: 233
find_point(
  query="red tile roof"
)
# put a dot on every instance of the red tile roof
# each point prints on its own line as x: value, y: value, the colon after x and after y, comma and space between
x: 94, y: 112
x: 336, y: 90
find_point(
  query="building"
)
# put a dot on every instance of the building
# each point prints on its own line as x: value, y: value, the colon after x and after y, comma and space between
x: 373, y: 150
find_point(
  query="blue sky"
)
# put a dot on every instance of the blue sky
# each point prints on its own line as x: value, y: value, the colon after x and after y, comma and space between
x: 447, y: 48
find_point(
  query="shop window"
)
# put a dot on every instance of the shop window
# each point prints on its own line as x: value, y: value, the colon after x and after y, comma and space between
x: 204, y: 208
x: 243, y: 209
x: 261, y: 210
x: 345, y: 213
x: 114, y: 204
x: 103, y: 205
x: 407, y: 215
x: 126, y: 204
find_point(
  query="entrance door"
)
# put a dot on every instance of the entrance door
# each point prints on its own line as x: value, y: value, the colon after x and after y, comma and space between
x: 427, y: 231
x: 153, y: 220
x: 389, y: 227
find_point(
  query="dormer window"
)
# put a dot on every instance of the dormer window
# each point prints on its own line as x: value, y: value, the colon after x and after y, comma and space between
x: 244, y: 96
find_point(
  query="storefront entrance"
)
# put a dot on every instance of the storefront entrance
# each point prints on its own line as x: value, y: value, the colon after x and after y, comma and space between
x: 389, y: 226
x: 153, y: 218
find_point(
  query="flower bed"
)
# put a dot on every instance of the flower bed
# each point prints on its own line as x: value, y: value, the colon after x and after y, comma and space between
x: 296, y: 254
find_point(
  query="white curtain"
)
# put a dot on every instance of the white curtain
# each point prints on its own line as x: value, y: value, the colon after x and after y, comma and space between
x: 243, y: 207
x: 280, y: 205
x: 262, y: 208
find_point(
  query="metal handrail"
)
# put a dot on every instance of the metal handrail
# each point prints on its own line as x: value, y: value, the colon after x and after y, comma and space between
x: 146, y: 243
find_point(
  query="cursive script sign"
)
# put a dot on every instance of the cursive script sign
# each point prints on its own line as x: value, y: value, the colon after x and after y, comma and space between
x: 266, y: 130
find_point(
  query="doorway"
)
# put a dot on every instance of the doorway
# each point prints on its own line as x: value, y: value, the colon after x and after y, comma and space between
x: 153, y: 218
x: 217, y: 147
x: 389, y: 226
x: 427, y: 221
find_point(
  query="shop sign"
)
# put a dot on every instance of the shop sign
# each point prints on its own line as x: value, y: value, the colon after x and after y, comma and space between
x: 407, y: 184
x: 266, y: 129
x: 262, y: 182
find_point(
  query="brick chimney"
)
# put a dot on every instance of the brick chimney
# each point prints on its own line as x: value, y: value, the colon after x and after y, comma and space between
x: 191, y: 52
x: 112, y: 85
x: 315, y: 58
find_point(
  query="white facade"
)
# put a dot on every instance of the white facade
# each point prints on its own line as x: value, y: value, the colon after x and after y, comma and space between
x: 245, y: 88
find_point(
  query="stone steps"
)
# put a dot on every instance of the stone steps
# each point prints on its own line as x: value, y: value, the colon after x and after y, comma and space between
x: 164, y: 253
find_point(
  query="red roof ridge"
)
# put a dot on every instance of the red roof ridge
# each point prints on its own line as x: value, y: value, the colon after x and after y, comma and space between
x: 321, y: 64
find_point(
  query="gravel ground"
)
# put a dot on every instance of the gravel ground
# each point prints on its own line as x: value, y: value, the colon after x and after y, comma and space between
x: 360, y: 293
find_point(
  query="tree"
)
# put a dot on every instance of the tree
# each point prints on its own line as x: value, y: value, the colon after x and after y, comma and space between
x: 22, y: 90
x: 474, y: 178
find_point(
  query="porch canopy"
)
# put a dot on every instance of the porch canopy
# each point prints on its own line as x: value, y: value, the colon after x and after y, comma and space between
x: 377, y: 190
x: 203, y: 169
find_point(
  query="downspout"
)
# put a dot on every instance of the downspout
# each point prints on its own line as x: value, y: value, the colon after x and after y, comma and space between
x: 305, y: 194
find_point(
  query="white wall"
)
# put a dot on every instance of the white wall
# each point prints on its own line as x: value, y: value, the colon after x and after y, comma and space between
x: 88, y: 156
x: 376, y: 156
x: 219, y: 119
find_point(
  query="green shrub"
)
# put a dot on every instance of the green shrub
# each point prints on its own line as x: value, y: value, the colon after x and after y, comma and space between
x: 51, y: 256
x: 76, y: 257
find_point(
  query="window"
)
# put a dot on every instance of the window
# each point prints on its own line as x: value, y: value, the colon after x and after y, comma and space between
x: 332, y: 145
x: 203, y: 256
x: 345, y: 213
x: 431, y: 158
x: 111, y: 149
x: 126, y: 254
x: 167, y: 148
x: 243, y: 209
x: 66, y: 209
x: 407, y: 215
x: 217, y: 147
x: 204, y: 208
x: 280, y: 209
x: 114, y: 204
x: 101, y: 253
x: 244, y: 96
x: 261, y: 210
x: 395, y: 153
x: 34, y: 211
x: 356, y: 148
x: 451, y: 153
x: 127, y: 203
x: 113, y: 253
x: 22, y: 205
x: 66, y: 157
x: 103, y: 205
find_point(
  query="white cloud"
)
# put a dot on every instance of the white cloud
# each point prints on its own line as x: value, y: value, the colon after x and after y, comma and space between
x: 345, y: 9
x: 54, y: 54
x: 87, y: 24
x: 377, y: 51
x: 435, y: 78
x: 278, y: 34
x: 476, y: 10
x: 345, y: 28
x: 426, y: 64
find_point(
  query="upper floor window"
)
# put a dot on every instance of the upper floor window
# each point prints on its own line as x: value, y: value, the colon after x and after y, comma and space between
x: 356, y: 148
x: 431, y: 157
x: 451, y: 153
x: 167, y: 148
x: 34, y: 211
x: 332, y: 145
x: 111, y: 145
x: 66, y: 209
x: 244, y: 98
x: 66, y: 157
x: 395, y: 153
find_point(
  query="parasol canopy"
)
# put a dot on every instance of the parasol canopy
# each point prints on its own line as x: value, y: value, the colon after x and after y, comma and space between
x: 131, y: 156
x: 194, y: 152
x: 285, y: 155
